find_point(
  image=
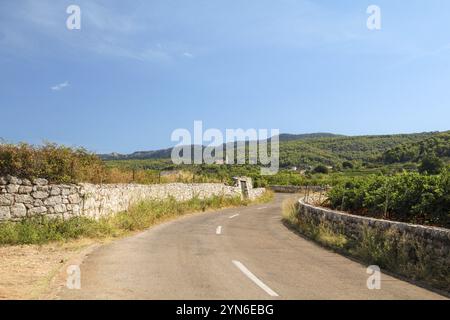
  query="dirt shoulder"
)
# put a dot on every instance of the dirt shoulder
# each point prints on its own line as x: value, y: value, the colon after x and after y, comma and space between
x: 27, y: 271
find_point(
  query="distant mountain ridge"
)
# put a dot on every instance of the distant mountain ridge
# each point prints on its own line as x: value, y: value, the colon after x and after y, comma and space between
x: 154, y: 154
x: 166, y: 153
x: 290, y: 137
x: 306, y: 150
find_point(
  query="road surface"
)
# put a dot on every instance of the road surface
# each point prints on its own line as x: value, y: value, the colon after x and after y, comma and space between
x: 239, y: 253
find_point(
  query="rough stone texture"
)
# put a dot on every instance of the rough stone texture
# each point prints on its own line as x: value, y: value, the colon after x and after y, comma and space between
x: 13, y: 180
x: 37, y: 211
x: 435, y: 240
x: 6, y: 199
x: 5, y: 213
x: 296, y: 189
x: 12, y: 188
x: 25, y: 199
x: 40, y: 182
x: 55, y: 191
x: 39, y: 194
x: 18, y: 210
x: 25, y: 189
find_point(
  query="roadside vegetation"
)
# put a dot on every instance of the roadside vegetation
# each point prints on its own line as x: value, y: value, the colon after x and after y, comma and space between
x: 138, y: 217
x: 50, y: 161
x: 409, y: 197
x: 388, y: 249
x: 317, y: 159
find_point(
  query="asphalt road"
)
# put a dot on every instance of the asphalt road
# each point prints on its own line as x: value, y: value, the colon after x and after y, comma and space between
x: 240, y: 253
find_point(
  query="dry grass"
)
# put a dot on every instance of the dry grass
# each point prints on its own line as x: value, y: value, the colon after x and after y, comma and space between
x: 389, y: 249
x: 26, y: 271
x: 289, y: 209
x: 138, y: 217
x: 321, y: 233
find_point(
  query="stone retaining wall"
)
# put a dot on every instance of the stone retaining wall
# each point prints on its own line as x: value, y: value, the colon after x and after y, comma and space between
x: 296, y: 189
x: 433, y: 242
x: 22, y: 198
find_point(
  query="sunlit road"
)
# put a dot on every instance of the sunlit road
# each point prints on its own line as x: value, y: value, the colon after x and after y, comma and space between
x: 243, y: 253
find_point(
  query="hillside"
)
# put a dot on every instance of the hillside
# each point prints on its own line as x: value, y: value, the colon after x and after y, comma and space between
x: 289, y: 137
x: 437, y: 144
x: 306, y: 150
x: 334, y: 150
x: 138, y: 155
x: 166, y: 153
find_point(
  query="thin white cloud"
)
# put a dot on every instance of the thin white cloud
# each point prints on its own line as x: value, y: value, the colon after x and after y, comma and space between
x: 109, y: 31
x: 60, y: 86
x: 137, y: 32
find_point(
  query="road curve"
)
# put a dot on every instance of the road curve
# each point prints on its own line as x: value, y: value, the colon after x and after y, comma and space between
x: 251, y: 256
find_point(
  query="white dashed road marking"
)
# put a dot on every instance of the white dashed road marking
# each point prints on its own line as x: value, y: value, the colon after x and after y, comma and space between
x: 252, y: 277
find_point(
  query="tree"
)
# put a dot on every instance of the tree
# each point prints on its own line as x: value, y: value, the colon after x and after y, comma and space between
x: 347, y: 165
x: 321, y: 169
x: 431, y: 164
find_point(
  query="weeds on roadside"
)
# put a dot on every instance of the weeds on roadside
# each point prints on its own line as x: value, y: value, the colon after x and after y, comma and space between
x: 138, y: 217
x: 389, y: 249
x: 321, y: 233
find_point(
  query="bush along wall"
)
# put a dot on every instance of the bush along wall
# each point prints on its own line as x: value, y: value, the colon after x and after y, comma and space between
x: 408, y: 197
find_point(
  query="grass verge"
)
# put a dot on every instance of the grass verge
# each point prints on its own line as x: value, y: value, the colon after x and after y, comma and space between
x: 138, y: 217
x: 321, y: 233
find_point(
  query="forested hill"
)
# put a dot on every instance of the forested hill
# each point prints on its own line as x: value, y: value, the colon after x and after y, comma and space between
x: 327, y: 149
x: 166, y: 153
x: 334, y: 150
x: 435, y: 145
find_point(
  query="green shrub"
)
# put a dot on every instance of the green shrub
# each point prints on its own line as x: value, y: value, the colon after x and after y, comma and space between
x: 52, y: 162
x: 431, y: 164
x: 408, y: 197
x: 347, y: 165
x: 321, y: 169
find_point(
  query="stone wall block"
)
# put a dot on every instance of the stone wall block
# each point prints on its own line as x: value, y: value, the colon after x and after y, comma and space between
x: 37, y: 211
x: 60, y: 208
x: 13, y: 180
x: 55, y: 191
x: 18, y: 210
x: 3, y: 181
x: 52, y: 201
x: 12, y: 188
x: 5, y: 213
x: 25, y: 189
x: 40, y: 182
x: 6, y: 199
x: 23, y: 198
x: 39, y: 194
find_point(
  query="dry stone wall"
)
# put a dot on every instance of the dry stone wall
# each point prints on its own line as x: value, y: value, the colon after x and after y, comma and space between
x: 434, y: 241
x: 22, y: 198
x: 297, y: 189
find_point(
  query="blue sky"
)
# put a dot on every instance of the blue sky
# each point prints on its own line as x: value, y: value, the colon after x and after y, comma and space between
x: 137, y: 70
